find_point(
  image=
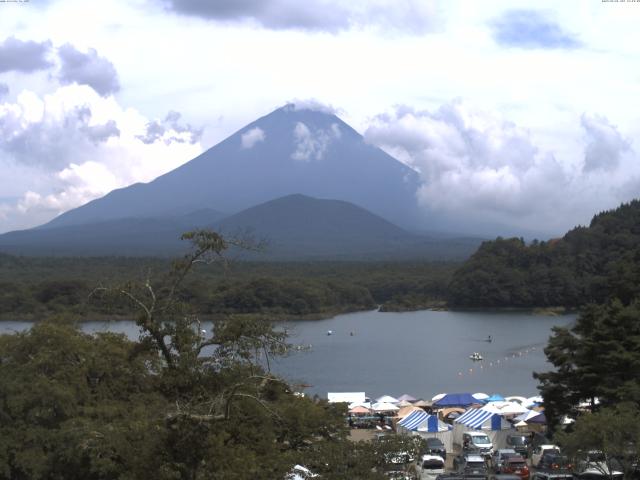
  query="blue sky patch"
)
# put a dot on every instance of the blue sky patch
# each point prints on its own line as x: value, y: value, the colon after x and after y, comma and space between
x: 531, y: 29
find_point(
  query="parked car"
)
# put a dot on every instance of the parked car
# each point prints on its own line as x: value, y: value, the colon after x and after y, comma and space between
x: 429, y: 467
x: 435, y: 447
x: 477, y: 442
x: 499, y: 456
x: 554, y: 461
x: 544, y: 475
x: 515, y: 466
x: 536, y: 439
x: 470, y: 465
x: 504, y: 476
x: 520, y: 443
x: 450, y: 476
x: 540, y: 450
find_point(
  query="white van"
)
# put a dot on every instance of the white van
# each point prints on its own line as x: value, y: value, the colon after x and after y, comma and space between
x: 477, y: 442
x: 430, y: 466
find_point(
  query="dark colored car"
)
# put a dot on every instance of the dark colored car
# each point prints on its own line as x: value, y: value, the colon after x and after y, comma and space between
x: 504, y: 476
x: 539, y: 475
x: 471, y: 466
x: 515, y: 466
x: 450, y: 476
x: 435, y: 447
x: 554, y: 461
x: 520, y: 443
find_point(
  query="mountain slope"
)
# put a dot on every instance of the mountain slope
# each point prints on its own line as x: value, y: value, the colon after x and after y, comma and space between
x: 122, y: 237
x: 290, y: 150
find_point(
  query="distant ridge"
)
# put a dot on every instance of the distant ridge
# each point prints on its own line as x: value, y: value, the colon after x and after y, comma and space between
x: 300, y: 226
x: 122, y: 237
x: 296, y: 227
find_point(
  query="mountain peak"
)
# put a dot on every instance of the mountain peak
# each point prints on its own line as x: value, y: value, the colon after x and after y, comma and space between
x: 300, y: 147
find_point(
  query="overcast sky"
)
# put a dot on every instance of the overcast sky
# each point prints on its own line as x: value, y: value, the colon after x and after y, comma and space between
x: 521, y: 112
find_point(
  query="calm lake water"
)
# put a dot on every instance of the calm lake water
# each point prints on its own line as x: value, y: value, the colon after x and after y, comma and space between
x: 421, y: 353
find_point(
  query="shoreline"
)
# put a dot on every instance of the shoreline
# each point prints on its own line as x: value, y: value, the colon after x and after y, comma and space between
x: 310, y: 317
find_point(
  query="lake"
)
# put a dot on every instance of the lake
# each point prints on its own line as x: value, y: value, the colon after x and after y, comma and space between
x: 421, y: 353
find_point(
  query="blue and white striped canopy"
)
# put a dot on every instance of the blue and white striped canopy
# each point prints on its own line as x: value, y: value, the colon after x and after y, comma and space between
x: 417, y: 419
x: 476, y: 417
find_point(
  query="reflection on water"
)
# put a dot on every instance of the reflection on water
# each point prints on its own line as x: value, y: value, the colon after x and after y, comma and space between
x: 420, y: 353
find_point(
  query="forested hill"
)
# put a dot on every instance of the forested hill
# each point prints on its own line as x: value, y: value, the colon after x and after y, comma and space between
x: 589, y: 264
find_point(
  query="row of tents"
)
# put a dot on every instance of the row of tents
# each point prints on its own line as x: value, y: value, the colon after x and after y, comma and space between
x: 493, y: 414
x: 496, y: 419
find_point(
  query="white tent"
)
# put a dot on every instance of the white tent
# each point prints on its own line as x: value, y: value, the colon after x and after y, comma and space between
x: 506, y: 408
x: 384, y: 407
x: 346, y: 397
x: 387, y: 399
x: 525, y: 417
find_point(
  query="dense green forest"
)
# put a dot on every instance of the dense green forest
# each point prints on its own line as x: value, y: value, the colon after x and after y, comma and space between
x: 37, y: 287
x: 589, y: 264
x: 102, y: 407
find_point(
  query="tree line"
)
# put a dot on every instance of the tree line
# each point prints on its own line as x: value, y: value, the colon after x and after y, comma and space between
x: 35, y: 288
x: 588, y: 265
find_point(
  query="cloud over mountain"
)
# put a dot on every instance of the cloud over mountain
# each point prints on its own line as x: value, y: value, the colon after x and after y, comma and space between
x: 312, y: 143
x: 251, y: 137
x: 474, y: 164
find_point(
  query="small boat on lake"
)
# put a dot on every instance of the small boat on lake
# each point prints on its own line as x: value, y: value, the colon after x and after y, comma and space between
x: 475, y: 356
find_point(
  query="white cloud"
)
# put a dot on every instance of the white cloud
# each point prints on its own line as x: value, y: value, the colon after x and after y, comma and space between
x: 76, y: 146
x: 312, y: 104
x: 415, y: 16
x: 477, y: 165
x: 312, y: 145
x: 251, y: 137
x: 605, y: 144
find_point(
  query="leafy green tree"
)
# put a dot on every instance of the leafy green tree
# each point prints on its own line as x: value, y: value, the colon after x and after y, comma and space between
x: 597, y: 358
x: 179, y: 403
x: 588, y: 265
x: 611, y: 435
x: 74, y: 405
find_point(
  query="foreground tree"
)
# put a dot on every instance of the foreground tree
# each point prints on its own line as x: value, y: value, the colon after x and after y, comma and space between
x: 180, y: 403
x: 611, y: 437
x: 597, y: 358
x: 76, y: 406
